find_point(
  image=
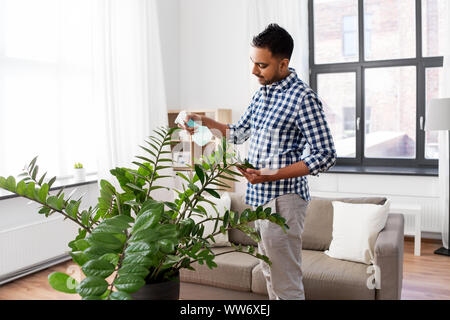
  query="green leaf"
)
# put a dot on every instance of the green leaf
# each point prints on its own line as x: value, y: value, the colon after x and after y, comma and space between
x: 167, y: 245
x: 32, y: 163
x: 213, y: 193
x: 62, y: 282
x: 147, y: 235
x: 72, y: 208
x: 52, y: 180
x: 81, y: 244
x: 85, y: 215
x: 79, y: 257
x: 226, y: 218
x: 43, y: 192
x: 183, y: 176
x: 137, y: 259
x: 193, y: 187
x: 35, y: 172
x: 142, y: 248
x: 53, y: 202
x: 92, y: 286
x: 122, y: 222
x: 11, y: 184
x: 21, y: 188
x: 112, y: 258
x: 100, y: 268
x: 120, y: 295
x: 200, y: 173
x: 42, y: 179
x: 135, y: 187
x: 30, y: 192
x: 147, y: 220
x: 129, y: 283
x: 96, y: 252
x: 105, y: 240
x: 133, y: 269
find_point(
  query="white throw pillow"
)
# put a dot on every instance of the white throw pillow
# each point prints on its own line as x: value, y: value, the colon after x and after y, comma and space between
x: 222, y: 205
x: 355, y: 230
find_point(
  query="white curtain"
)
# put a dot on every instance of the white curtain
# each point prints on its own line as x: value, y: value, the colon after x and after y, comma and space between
x: 80, y: 81
x: 292, y: 15
x: 46, y: 105
x: 444, y: 139
x: 129, y: 83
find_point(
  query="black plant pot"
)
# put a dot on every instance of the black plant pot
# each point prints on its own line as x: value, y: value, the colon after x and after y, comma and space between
x: 166, y: 290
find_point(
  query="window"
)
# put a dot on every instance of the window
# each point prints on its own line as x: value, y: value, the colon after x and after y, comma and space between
x: 46, y: 86
x: 375, y: 70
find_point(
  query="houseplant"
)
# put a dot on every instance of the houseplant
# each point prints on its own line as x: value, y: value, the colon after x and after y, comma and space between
x: 137, y: 240
x: 79, y: 172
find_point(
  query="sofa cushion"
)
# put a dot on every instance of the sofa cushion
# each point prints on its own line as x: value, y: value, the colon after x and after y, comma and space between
x: 234, y: 235
x: 233, y: 271
x: 325, y: 278
x: 318, y: 227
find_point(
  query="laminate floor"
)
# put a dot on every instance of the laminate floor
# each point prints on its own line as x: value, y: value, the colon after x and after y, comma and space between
x: 426, y: 277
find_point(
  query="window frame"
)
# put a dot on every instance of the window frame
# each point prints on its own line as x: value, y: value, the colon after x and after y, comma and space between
x: 419, y: 62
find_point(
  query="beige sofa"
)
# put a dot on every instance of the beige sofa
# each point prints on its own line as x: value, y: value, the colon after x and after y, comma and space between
x: 238, y: 275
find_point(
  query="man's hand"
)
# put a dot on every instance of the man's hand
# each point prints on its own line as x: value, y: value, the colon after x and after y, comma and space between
x: 294, y: 170
x: 258, y: 176
x: 196, y: 118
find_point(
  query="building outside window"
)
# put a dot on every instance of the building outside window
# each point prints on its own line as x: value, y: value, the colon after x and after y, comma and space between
x: 375, y: 84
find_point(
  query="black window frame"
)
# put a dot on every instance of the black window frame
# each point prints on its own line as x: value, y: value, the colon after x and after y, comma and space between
x: 421, y: 63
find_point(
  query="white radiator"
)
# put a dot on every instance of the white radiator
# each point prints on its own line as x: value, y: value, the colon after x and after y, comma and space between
x: 30, y: 242
x: 28, y: 246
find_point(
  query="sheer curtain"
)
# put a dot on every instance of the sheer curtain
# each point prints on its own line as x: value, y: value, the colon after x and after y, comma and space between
x: 128, y: 77
x: 80, y: 81
x: 444, y: 152
x: 289, y: 14
x: 46, y: 84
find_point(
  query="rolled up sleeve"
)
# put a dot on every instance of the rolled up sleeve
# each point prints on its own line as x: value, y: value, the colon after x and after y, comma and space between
x: 313, y: 125
x: 238, y: 133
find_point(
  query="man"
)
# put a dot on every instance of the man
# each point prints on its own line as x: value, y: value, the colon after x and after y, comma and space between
x: 284, y: 116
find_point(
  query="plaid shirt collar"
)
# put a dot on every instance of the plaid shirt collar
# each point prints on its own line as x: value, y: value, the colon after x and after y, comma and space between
x: 283, y: 84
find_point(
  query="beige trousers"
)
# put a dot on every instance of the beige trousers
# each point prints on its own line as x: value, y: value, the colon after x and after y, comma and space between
x: 284, y: 277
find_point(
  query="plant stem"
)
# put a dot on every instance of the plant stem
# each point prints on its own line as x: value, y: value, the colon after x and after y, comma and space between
x: 119, y: 264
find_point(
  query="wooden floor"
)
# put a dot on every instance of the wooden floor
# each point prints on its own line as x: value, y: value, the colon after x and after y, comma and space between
x: 425, y: 277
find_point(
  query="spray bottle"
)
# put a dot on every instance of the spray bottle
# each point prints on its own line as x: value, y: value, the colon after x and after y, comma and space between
x: 203, y: 134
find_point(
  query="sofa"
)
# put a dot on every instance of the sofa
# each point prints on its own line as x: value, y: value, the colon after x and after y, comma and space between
x: 239, y: 276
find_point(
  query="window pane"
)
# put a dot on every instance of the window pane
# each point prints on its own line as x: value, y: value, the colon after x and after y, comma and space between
x: 433, y: 78
x: 27, y: 34
x: 434, y: 26
x: 338, y: 94
x: 393, y: 29
x: 390, y: 93
x: 335, y: 31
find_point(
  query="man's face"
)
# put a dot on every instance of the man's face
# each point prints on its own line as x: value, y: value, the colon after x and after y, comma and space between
x: 267, y: 68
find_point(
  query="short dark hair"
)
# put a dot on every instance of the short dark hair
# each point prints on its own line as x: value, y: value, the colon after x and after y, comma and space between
x: 276, y: 39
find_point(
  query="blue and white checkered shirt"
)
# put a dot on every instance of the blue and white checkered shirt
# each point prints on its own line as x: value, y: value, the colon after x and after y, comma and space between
x: 281, y: 120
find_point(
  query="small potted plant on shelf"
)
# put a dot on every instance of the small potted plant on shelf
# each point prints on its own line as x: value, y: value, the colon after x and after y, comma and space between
x: 131, y: 245
x: 79, y: 172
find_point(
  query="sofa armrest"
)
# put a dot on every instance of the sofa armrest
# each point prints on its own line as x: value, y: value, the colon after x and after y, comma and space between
x: 389, y: 258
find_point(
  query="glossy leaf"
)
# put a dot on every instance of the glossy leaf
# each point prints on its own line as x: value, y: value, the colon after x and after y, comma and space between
x: 62, y: 282
x: 129, y: 283
x: 98, y: 267
x: 92, y: 286
x: 120, y: 295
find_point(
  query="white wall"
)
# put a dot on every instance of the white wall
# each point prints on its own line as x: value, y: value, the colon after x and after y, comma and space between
x: 213, y: 62
x: 169, y: 16
x: 214, y: 55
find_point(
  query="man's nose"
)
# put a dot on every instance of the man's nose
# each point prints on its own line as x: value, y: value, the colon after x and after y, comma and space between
x: 255, y: 70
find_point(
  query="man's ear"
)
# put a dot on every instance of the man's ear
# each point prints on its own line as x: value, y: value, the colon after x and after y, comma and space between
x: 284, y: 64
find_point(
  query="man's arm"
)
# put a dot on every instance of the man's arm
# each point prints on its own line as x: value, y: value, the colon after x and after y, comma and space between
x: 235, y: 133
x: 294, y: 170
